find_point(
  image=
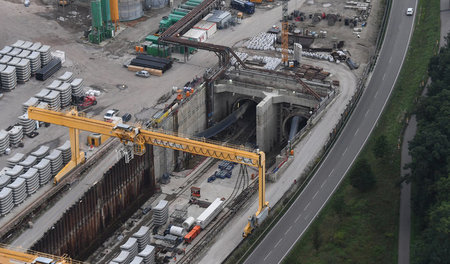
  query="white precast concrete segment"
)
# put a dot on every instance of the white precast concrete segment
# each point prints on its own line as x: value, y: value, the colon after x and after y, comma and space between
x: 205, y: 218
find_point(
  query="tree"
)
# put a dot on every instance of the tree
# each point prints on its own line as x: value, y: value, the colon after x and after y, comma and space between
x: 381, y: 146
x: 361, y: 175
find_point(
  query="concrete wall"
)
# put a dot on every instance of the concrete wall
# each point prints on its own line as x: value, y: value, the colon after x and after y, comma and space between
x: 188, y: 119
x: 267, y: 123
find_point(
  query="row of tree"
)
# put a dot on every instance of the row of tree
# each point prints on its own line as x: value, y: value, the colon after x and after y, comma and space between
x: 430, y: 152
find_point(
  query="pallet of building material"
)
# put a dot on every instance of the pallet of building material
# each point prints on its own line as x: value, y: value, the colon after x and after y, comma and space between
x: 149, y: 64
x: 153, y: 58
x: 151, y: 71
x: 48, y: 70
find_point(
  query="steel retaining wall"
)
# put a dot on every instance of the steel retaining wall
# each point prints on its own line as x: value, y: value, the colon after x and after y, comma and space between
x: 102, y: 209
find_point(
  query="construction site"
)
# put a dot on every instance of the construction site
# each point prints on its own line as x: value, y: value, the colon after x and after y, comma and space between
x: 160, y: 131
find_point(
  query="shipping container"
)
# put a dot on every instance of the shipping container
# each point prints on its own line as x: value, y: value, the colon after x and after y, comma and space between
x: 209, y: 27
x: 210, y: 213
x: 152, y: 38
x: 195, y: 35
x: 244, y: 6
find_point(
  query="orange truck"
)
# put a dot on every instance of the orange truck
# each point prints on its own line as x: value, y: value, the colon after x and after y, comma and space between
x: 192, y: 234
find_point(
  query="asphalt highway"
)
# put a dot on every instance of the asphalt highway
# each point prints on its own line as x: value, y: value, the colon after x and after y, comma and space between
x: 277, y: 244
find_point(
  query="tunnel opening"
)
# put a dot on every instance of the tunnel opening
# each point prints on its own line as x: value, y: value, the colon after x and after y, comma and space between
x: 292, y: 125
x: 243, y: 130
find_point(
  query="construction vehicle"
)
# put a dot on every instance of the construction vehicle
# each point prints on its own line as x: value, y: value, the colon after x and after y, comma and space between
x: 136, y: 138
x: 83, y: 102
x: 192, y: 234
x: 9, y: 254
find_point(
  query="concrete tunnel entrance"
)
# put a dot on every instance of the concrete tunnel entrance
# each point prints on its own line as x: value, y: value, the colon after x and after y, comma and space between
x: 292, y: 125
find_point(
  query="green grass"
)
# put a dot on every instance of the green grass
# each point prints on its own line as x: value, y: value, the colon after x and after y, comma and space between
x: 363, y: 227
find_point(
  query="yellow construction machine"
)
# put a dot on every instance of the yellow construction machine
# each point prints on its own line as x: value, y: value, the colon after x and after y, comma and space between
x: 137, y: 137
x: 9, y: 254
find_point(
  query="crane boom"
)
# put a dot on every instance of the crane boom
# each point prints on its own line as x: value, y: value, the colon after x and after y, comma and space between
x: 9, y: 254
x: 139, y: 137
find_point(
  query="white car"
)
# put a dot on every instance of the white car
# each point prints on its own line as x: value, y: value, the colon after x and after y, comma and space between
x: 110, y: 114
x: 409, y: 11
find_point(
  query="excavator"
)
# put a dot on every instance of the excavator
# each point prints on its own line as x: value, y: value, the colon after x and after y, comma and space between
x: 136, y: 138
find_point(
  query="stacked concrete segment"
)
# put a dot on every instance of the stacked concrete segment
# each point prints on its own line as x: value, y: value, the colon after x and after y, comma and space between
x: 56, y: 161
x: 4, y: 141
x: 41, y: 152
x: 31, y: 179
x: 15, y: 135
x: 161, y: 213
x: 19, y: 190
x: 45, y: 171
x: 6, y: 200
x: 148, y: 254
x: 15, y: 172
x: 66, y: 152
x: 29, y: 162
x: 4, y: 181
x: 76, y: 84
x: 143, y: 237
x: 16, y: 159
x: 28, y: 125
x: 131, y: 246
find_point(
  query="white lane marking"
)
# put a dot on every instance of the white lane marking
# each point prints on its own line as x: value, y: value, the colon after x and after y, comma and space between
x: 287, y: 231
x: 321, y: 186
x: 315, y: 194
x: 307, y: 206
x: 384, y: 75
x: 268, y: 254
x: 298, y: 217
x: 331, y: 172
x: 279, y: 241
x: 366, y: 113
x: 376, y: 94
x: 357, y: 130
x: 343, y: 153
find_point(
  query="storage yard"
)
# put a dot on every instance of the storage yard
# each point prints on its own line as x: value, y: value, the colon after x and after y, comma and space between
x: 216, y: 84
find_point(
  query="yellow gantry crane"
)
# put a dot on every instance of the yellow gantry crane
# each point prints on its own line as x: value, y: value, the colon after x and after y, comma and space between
x: 140, y: 137
x: 9, y: 254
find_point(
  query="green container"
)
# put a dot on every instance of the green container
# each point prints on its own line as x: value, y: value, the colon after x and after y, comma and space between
x: 183, y: 10
x: 189, y: 7
x: 152, y: 38
x: 174, y: 18
x: 176, y: 12
x: 189, y: 3
x: 165, y: 24
x: 160, y: 51
x: 96, y: 10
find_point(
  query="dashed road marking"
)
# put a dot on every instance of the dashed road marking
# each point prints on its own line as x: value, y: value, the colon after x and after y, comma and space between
x: 343, y: 153
x: 315, y: 195
x: 357, y: 130
x: 279, y: 241
x: 323, y: 183
x: 306, y: 206
x: 287, y: 231
x: 268, y: 254
x: 298, y: 217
